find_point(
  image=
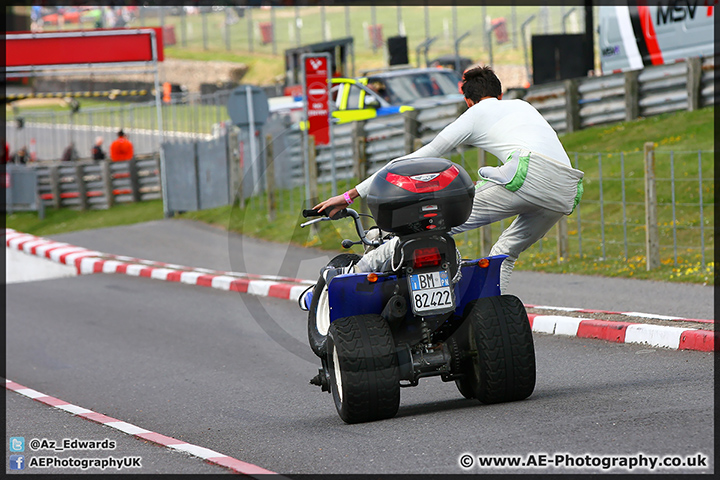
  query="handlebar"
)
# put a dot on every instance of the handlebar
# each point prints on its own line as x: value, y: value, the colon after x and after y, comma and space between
x: 346, y: 212
x: 313, y: 213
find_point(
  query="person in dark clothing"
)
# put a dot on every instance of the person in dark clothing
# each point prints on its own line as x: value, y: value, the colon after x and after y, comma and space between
x: 70, y: 153
x: 21, y: 156
x: 97, y: 152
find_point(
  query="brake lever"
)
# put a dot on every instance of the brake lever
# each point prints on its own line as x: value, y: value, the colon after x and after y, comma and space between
x: 315, y: 220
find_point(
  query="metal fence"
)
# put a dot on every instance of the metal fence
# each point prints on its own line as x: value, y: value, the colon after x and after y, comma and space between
x: 47, y: 133
x: 610, y: 221
x: 272, y: 30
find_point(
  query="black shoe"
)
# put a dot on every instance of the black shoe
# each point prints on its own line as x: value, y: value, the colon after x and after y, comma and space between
x: 328, y: 273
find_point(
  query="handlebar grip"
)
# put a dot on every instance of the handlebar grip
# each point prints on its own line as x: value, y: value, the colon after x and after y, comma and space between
x: 312, y: 213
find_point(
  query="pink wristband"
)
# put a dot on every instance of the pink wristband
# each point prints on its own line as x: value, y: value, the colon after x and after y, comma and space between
x: 347, y: 198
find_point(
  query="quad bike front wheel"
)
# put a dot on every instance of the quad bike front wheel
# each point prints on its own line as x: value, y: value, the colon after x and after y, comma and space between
x: 319, y: 312
x: 500, y: 340
x: 363, y: 368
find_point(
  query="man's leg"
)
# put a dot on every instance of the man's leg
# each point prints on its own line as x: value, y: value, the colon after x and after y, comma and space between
x: 373, y: 260
x: 492, y: 203
x: 525, y: 230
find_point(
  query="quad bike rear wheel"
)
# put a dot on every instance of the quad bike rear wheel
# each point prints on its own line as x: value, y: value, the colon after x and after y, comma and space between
x: 363, y: 368
x: 500, y: 339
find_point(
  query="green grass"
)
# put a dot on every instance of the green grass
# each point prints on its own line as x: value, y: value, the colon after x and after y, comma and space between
x: 68, y: 220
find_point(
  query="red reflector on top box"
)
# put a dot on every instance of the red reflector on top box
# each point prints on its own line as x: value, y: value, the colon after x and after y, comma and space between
x: 417, y: 184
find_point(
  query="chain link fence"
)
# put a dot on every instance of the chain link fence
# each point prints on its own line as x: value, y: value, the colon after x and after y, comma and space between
x: 266, y: 30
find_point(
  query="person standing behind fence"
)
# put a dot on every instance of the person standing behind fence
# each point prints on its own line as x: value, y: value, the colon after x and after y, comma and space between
x: 121, y: 149
x: 97, y: 152
x: 70, y: 154
x: 21, y: 156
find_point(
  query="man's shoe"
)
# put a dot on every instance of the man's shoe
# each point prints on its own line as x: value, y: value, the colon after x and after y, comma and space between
x: 329, y: 273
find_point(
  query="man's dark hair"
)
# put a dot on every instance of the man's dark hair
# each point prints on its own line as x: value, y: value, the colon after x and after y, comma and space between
x: 479, y: 82
x: 121, y: 133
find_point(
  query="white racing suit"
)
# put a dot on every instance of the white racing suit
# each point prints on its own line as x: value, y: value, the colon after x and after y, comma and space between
x: 537, y: 187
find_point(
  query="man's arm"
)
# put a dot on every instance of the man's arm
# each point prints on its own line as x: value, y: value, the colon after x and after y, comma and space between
x: 450, y: 137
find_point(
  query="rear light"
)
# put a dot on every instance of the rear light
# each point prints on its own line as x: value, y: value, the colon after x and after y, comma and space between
x: 424, y: 183
x: 426, y: 257
x: 483, y: 263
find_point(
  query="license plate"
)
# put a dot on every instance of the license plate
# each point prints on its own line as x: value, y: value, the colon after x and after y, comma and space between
x: 431, y: 291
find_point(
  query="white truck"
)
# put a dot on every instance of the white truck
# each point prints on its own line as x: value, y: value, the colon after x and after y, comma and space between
x: 642, y: 33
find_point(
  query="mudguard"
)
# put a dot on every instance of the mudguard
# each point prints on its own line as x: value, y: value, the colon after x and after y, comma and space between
x: 352, y: 294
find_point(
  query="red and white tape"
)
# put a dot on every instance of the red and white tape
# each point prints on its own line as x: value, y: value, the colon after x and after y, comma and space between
x: 210, y: 456
x: 88, y: 261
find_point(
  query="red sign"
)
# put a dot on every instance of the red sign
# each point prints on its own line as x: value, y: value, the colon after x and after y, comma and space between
x: 49, y: 48
x: 318, y: 96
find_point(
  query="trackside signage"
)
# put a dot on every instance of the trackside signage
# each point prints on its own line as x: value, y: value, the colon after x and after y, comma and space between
x: 78, y: 47
x: 317, y: 95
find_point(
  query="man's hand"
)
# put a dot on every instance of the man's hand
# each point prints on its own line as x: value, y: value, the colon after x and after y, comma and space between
x: 334, y: 204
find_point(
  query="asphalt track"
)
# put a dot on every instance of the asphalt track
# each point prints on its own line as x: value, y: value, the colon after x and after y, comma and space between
x: 230, y: 371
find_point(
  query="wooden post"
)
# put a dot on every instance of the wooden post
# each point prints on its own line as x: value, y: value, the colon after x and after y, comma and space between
x: 81, y: 187
x: 359, y: 153
x: 411, y: 130
x: 270, y: 177
x: 652, y: 238
x: 563, y: 240
x: 632, y: 95
x: 417, y: 144
x: 107, y: 183
x: 313, y: 172
x: 54, y: 176
x: 134, y: 183
x: 572, y: 107
x: 694, y: 82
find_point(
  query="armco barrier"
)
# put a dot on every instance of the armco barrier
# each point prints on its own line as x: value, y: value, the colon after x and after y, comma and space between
x: 587, y: 101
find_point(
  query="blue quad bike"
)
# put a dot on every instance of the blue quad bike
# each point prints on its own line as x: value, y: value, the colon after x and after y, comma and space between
x: 426, y: 312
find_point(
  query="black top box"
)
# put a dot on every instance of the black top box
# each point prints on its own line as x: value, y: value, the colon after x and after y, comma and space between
x: 421, y: 195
